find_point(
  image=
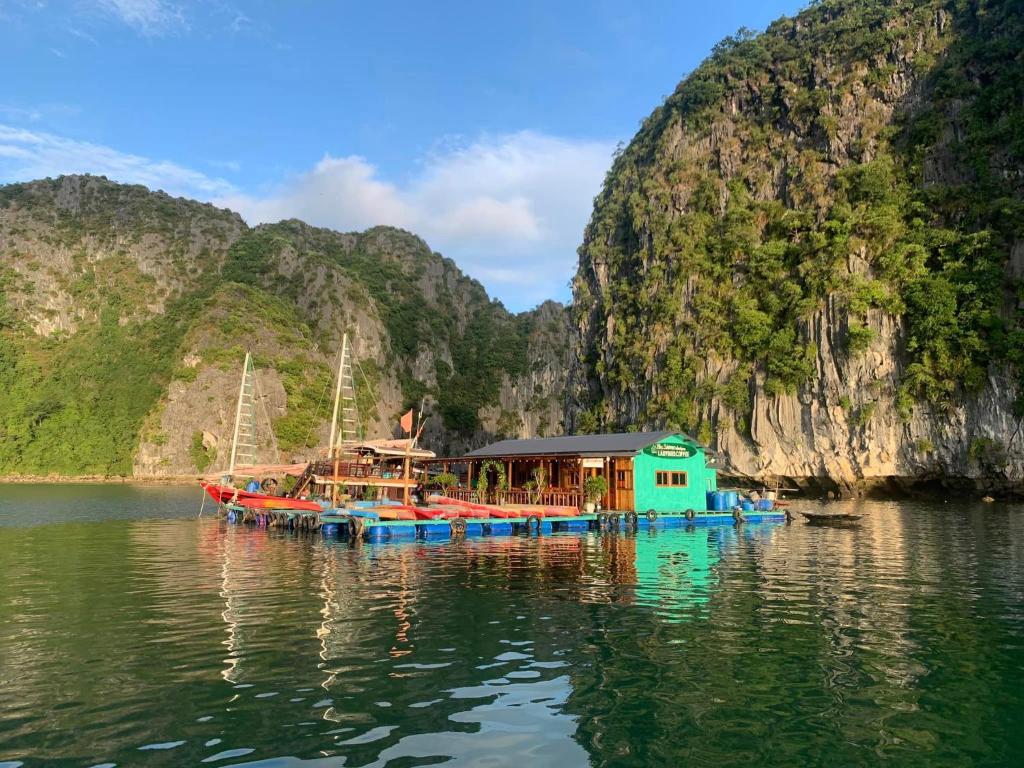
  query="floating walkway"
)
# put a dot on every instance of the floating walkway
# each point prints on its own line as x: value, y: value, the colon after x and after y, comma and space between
x: 355, y: 525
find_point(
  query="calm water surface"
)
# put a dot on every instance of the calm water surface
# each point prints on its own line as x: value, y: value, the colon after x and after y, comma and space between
x: 133, y: 633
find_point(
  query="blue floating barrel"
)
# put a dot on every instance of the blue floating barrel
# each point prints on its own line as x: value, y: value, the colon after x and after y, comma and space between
x: 710, y: 503
x: 499, y: 529
x: 747, y: 505
x: 765, y: 505
x: 434, y: 530
x: 330, y: 529
x: 732, y: 499
x: 721, y: 502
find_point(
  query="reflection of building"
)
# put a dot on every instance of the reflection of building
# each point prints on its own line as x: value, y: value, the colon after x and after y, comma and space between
x: 663, y: 471
x: 675, y: 572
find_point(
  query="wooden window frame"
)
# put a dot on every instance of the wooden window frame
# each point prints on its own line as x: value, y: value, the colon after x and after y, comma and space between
x: 670, y: 478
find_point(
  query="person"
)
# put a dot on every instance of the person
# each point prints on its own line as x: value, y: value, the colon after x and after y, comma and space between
x: 253, y: 486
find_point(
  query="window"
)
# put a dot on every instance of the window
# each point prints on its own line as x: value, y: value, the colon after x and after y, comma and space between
x: 670, y: 479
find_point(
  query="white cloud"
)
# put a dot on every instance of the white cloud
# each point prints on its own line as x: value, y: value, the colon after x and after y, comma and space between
x: 149, y: 17
x: 27, y: 155
x: 510, y: 210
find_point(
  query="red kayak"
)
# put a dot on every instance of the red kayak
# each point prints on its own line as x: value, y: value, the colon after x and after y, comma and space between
x: 474, y: 510
x: 224, y: 494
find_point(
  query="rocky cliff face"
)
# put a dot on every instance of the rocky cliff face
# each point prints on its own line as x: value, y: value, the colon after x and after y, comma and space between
x: 125, y: 315
x: 809, y: 255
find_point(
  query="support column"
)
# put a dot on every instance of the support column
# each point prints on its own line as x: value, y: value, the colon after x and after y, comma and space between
x: 606, y: 502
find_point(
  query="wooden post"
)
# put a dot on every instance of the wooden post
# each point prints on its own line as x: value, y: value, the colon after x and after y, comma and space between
x: 469, y: 478
x: 606, y: 502
x: 405, y: 479
x: 334, y: 488
x: 582, y: 495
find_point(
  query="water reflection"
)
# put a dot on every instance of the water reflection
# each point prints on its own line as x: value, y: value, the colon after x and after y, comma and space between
x: 186, y: 640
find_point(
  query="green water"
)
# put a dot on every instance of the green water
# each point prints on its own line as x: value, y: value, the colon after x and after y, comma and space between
x: 132, y: 633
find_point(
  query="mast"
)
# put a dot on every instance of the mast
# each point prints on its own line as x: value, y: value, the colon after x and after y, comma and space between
x: 337, y: 394
x: 245, y: 418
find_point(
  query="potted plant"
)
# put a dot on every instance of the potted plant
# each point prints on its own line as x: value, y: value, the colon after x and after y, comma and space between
x: 446, y: 481
x: 594, y: 489
x: 536, y: 486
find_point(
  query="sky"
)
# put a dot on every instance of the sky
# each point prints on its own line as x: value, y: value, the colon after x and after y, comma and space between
x: 484, y: 127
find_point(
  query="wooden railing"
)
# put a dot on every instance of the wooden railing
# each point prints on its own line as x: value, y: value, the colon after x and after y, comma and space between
x: 325, y: 468
x: 551, y: 497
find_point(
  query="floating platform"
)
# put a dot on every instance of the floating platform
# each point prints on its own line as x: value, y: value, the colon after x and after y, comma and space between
x: 338, y: 523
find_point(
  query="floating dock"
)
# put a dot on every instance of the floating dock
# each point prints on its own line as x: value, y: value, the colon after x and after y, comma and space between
x: 340, y: 524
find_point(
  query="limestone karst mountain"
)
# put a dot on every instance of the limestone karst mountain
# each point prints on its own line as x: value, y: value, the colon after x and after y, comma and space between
x: 125, y: 313
x: 811, y: 254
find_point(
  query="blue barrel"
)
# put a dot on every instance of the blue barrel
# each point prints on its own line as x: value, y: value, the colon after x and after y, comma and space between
x: 721, y: 501
x: 498, y: 529
x: 747, y: 505
x: 732, y: 499
x: 330, y: 529
x: 765, y: 505
x: 710, y: 503
x: 434, y: 531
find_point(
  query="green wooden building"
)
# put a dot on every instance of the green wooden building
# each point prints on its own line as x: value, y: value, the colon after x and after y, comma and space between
x: 664, y: 471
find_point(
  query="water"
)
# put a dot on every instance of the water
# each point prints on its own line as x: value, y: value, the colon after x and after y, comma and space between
x: 155, y: 640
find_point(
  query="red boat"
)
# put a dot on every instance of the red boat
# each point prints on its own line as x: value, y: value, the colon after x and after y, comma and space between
x: 224, y: 494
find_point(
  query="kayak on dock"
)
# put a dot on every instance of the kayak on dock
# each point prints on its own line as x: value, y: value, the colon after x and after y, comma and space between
x: 224, y: 494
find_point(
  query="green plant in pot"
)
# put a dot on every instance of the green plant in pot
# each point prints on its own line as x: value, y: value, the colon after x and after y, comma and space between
x: 594, y: 489
x: 446, y: 481
x: 537, y: 485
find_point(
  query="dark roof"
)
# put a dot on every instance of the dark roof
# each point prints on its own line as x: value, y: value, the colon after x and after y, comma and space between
x: 620, y: 444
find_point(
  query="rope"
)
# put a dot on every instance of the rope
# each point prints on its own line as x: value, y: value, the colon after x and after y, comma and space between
x: 369, y: 390
x: 203, y: 503
x: 266, y: 415
x: 316, y: 413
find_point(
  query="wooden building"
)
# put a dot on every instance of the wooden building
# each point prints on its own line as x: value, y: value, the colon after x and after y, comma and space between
x: 393, y: 467
x: 663, y: 471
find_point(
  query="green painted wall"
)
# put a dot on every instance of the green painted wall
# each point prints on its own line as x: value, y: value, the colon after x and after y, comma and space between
x: 701, y: 478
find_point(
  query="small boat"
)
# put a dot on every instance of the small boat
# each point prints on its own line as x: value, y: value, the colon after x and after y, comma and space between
x: 224, y: 494
x: 831, y: 518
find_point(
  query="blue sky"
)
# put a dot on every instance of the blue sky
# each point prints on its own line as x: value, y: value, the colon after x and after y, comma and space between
x: 487, y: 128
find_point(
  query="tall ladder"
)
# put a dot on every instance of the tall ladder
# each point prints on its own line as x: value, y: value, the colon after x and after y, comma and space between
x: 243, y: 444
x: 345, y: 419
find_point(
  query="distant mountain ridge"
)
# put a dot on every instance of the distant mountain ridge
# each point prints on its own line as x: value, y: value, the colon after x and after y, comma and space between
x: 125, y: 313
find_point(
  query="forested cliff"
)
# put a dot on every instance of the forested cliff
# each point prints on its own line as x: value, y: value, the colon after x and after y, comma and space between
x: 810, y: 256
x: 125, y: 315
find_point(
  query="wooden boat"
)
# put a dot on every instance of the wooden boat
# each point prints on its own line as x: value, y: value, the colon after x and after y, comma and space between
x: 831, y: 518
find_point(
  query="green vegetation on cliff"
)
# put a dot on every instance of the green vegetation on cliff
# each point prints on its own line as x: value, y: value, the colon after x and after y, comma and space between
x: 105, y: 289
x: 864, y: 156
